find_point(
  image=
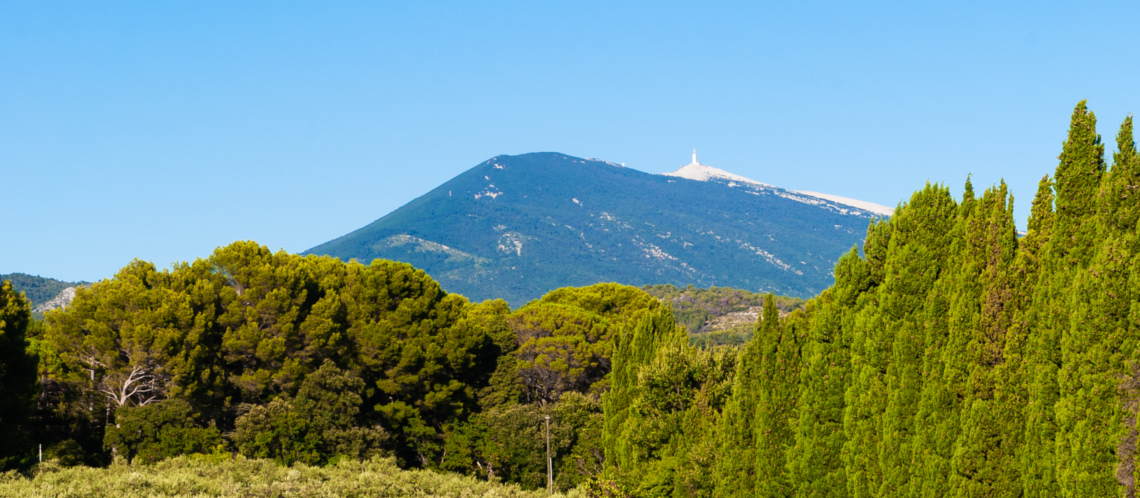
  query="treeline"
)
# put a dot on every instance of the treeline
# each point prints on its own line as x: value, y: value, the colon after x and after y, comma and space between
x: 952, y: 359
x: 311, y: 360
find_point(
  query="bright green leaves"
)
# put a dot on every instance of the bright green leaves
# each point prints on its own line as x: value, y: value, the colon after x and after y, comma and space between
x: 1077, y: 182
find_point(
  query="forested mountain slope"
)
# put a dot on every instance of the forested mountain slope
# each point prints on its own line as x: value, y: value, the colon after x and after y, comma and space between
x: 38, y: 289
x: 515, y: 227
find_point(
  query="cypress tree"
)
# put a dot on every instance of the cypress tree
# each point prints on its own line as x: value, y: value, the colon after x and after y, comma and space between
x: 984, y: 454
x: 1013, y: 376
x: 886, y: 351
x: 636, y: 346
x: 1038, y: 454
x: 916, y: 260
x: 936, y: 426
x: 1073, y: 244
x: 1097, y: 349
x: 865, y: 399
x: 1119, y: 197
x: 736, y: 469
x: 1095, y: 352
x: 815, y: 467
x: 776, y: 407
x: 1077, y: 181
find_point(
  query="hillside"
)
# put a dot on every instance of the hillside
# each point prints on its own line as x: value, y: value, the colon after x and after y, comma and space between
x: 38, y: 289
x: 516, y: 227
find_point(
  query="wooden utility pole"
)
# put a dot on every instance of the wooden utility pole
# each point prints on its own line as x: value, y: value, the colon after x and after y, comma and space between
x: 549, y: 462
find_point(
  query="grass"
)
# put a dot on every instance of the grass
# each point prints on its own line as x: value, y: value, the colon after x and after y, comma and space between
x: 199, y: 477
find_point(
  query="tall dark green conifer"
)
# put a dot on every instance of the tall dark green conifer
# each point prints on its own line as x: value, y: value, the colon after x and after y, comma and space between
x: 776, y: 407
x: 1077, y: 182
x: 1118, y: 206
x: 936, y: 426
x: 1038, y: 453
x: 1097, y: 348
x: 814, y: 464
x: 736, y: 469
x: 865, y: 399
x: 985, y: 451
x: 1079, y: 432
x: 917, y: 258
x: 636, y: 346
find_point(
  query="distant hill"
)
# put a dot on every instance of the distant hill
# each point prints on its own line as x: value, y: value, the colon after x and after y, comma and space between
x: 516, y: 227
x: 38, y: 289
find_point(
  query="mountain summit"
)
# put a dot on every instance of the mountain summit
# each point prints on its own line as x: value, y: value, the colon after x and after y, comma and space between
x: 516, y: 227
x: 703, y: 173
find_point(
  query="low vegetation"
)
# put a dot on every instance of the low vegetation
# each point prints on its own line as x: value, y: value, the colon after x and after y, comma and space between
x: 208, y: 476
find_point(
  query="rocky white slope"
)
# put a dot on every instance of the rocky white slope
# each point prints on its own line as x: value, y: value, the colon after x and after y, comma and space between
x: 61, y: 301
x: 704, y: 173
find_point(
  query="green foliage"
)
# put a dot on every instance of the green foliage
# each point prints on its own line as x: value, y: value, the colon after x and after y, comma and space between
x: 320, y: 423
x: 738, y: 335
x: 192, y: 477
x: 778, y: 396
x: 66, y: 453
x: 248, y: 326
x: 561, y: 348
x: 157, y: 431
x: 17, y: 376
x: 661, y: 410
x: 695, y: 308
x: 509, y: 443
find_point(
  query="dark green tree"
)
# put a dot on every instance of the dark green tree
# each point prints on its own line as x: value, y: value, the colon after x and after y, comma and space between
x: 984, y: 461
x: 777, y: 399
x: 323, y: 421
x: 17, y: 376
x: 815, y: 467
x: 157, y: 431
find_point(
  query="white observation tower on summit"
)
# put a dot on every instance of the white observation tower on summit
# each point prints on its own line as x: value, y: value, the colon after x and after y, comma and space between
x: 703, y: 173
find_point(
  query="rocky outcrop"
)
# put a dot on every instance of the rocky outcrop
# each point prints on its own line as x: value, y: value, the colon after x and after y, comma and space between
x: 61, y: 301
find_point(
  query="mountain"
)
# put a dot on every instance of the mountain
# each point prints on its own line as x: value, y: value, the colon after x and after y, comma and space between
x: 516, y: 227
x: 41, y: 290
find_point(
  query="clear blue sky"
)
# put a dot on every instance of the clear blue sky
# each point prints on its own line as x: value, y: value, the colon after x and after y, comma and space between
x: 161, y: 130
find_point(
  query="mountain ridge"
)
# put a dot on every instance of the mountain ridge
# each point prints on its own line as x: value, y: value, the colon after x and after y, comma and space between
x: 518, y: 226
